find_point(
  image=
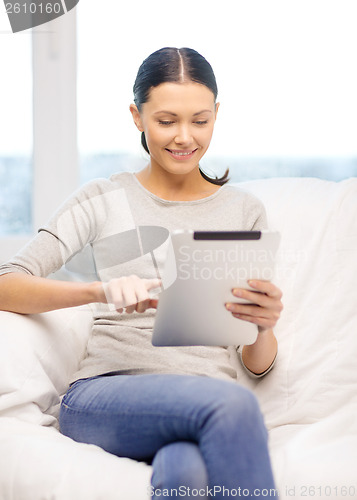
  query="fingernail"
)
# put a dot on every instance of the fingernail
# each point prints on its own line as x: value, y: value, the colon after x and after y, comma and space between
x: 229, y: 307
x: 237, y: 292
x: 252, y: 283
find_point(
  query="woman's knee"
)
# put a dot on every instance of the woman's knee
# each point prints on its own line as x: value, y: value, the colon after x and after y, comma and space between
x: 242, y: 401
x: 179, y: 467
x: 237, y: 408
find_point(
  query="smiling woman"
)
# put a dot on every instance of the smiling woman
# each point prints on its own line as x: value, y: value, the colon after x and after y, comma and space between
x: 177, y: 146
x: 124, y: 395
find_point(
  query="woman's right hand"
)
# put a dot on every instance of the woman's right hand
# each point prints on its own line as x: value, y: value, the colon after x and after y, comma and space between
x: 131, y: 293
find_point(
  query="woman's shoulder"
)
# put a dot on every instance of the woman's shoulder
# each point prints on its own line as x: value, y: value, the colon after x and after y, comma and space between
x: 97, y: 188
x: 92, y: 198
x: 237, y: 193
x: 101, y: 185
x: 245, y: 207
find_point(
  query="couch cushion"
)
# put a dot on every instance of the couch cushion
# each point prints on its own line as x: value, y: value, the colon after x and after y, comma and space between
x: 38, y: 462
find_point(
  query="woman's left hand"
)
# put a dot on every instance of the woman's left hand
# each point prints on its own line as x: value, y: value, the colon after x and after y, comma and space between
x: 265, y: 307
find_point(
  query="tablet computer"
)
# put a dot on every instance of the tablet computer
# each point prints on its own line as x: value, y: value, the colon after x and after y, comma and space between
x: 201, y: 269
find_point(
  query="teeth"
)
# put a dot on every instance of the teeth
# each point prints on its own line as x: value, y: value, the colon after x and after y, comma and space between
x: 182, y: 154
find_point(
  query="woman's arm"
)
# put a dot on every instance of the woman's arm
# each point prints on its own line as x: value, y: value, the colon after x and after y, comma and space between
x: 26, y: 294
x: 258, y: 357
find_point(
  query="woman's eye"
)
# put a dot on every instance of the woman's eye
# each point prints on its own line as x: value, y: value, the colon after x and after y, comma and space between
x: 165, y: 122
x: 202, y: 122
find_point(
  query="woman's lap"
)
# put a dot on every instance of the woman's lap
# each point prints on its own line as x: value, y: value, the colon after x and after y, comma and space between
x: 134, y: 405
x: 137, y: 415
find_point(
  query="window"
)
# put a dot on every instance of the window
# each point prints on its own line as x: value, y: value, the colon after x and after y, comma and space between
x: 38, y: 144
x: 285, y: 73
x: 15, y: 134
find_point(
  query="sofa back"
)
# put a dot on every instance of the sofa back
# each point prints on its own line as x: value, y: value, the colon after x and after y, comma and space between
x: 315, y: 373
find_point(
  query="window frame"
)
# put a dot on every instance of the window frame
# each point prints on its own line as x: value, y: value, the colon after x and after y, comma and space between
x: 55, y: 151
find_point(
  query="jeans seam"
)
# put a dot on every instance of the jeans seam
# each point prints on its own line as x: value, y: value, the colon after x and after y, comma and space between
x: 106, y: 413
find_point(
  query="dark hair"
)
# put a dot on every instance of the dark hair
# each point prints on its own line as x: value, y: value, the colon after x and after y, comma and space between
x: 174, y: 65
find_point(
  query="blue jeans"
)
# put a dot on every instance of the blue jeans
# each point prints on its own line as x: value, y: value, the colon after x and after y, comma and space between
x: 204, y: 437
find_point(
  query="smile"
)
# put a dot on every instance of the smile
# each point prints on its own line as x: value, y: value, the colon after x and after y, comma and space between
x: 176, y: 153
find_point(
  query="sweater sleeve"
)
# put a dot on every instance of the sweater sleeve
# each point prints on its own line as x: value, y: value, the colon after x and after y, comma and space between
x: 74, y: 225
x: 256, y: 214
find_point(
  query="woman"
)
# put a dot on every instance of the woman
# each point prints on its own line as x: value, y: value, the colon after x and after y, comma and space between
x: 179, y: 409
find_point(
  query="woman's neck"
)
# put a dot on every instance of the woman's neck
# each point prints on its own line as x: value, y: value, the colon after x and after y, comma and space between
x: 175, y: 187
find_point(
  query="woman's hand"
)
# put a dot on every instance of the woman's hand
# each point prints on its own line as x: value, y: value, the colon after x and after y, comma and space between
x: 131, y: 293
x: 266, y: 304
x: 264, y: 311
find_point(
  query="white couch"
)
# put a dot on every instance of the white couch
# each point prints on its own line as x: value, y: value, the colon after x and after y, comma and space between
x: 309, y: 400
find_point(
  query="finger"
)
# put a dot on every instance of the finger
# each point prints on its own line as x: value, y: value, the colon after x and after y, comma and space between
x: 261, y: 322
x: 130, y: 309
x: 142, y: 306
x: 258, y: 298
x: 113, y: 291
x: 129, y: 296
x: 153, y: 303
x: 140, y: 292
x: 245, y: 311
x: 150, y: 304
x: 249, y: 310
x: 266, y: 287
x: 152, y: 283
x: 134, y: 290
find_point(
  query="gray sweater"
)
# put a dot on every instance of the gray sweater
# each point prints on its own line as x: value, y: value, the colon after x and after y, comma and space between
x: 96, y: 234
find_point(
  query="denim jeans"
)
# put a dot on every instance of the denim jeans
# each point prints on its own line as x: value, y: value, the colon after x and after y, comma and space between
x: 204, y: 437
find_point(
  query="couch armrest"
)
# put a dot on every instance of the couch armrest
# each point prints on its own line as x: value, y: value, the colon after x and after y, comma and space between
x: 38, y: 355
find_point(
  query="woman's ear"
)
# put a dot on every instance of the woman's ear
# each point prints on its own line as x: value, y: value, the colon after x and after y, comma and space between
x: 217, y: 106
x: 136, y: 117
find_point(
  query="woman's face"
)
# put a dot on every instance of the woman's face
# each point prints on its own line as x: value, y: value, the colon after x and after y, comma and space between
x: 178, y: 121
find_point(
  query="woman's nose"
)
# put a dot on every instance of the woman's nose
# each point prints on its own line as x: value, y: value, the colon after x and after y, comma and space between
x: 184, y: 135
